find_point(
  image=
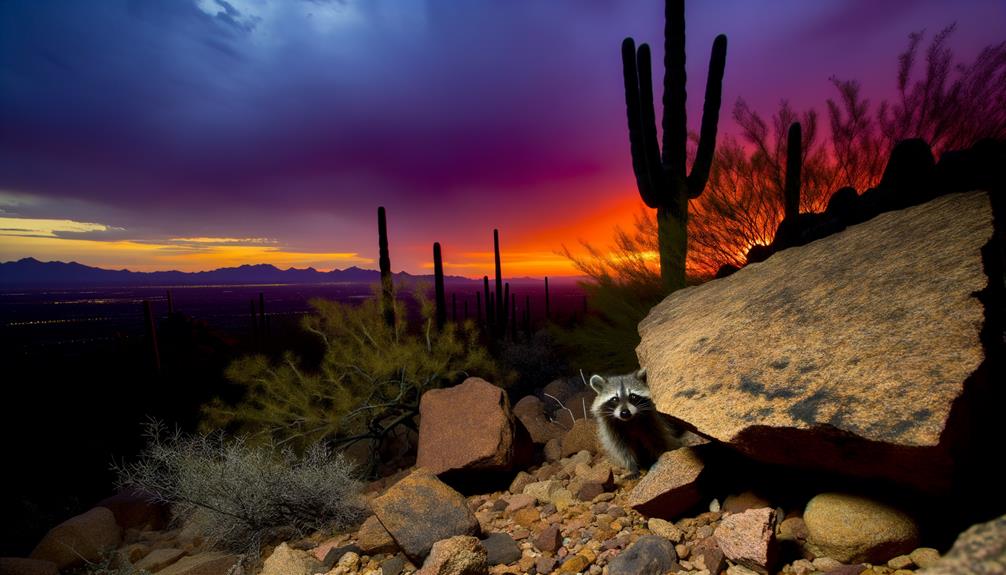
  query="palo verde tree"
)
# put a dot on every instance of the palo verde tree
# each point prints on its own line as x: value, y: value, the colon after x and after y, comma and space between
x: 661, y: 175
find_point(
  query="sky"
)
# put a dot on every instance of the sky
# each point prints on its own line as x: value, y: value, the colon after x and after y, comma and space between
x: 196, y: 134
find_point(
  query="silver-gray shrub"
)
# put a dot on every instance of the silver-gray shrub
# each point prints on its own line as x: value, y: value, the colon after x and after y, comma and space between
x: 240, y: 495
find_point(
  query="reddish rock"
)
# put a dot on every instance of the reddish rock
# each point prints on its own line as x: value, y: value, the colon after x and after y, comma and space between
x: 589, y: 491
x: 670, y: 488
x: 79, y: 539
x: 553, y: 450
x: 518, y: 502
x: 459, y: 555
x: 373, y: 538
x: 520, y: 481
x: 531, y: 412
x: 581, y: 437
x: 549, y: 539
x: 468, y: 427
x: 748, y: 538
x: 712, y: 556
x: 420, y: 510
x: 137, y: 511
x: 19, y: 566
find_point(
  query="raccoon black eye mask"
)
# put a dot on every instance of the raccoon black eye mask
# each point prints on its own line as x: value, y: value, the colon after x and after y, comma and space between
x: 629, y: 428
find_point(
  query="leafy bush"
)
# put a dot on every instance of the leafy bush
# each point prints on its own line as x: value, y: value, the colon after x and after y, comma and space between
x: 367, y: 385
x: 244, y: 495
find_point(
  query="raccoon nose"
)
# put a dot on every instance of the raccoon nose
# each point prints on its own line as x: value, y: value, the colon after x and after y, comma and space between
x: 625, y: 413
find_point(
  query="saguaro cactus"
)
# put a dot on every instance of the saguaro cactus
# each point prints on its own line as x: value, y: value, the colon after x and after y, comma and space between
x: 791, y: 192
x: 660, y: 175
x: 438, y: 280
x: 501, y: 299
x: 387, y: 286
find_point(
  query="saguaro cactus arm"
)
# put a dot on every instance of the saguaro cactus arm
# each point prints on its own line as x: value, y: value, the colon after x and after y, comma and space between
x: 710, y: 118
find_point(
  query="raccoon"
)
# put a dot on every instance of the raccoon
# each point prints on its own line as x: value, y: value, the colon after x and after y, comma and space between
x: 631, y: 430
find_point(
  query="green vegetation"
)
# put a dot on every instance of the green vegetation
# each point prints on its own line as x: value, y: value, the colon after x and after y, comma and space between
x: 241, y: 496
x: 367, y: 384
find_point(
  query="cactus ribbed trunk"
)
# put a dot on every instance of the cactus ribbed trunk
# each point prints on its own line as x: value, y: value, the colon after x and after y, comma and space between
x: 661, y: 176
x: 791, y: 191
x: 548, y: 311
x: 438, y: 280
x: 387, y: 285
x: 501, y: 300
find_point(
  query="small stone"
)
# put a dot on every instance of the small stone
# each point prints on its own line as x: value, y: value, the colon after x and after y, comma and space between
x: 545, y: 563
x: 549, y: 539
x: 526, y: 517
x: 604, y: 497
x: 589, y: 491
x: 393, y: 565
x: 826, y: 564
x: 714, y: 505
x: 499, y: 505
x: 708, y: 552
x: 649, y: 555
x: 665, y: 529
x: 575, y: 564
x: 682, y: 550
x: 562, y: 499
x: 802, y: 567
x: 543, y: 491
x: 748, y: 538
x: 740, y: 570
x: 738, y: 503
x: 520, y: 481
x: 518, y: 502
x: 792, y: 529
x: 924, y: 557
x: 501, y: 549
x: 520, y: 533
x: 458, y: 555
x: 900, y: 562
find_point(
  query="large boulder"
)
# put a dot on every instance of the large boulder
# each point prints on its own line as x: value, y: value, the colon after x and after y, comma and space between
x: 845, y: 355
x: 80, y: 539
x: 420, y: 510
x: 469, y: 427
x: 531, y: 412
x: 981, y: 550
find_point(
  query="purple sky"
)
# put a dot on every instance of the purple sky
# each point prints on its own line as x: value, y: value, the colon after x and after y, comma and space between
x: 191, y: 134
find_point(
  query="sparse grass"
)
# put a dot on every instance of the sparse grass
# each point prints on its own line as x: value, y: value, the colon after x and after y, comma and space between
x: 245, y: 495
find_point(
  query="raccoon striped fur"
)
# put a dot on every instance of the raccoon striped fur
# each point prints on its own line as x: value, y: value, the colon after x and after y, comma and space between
x: 631, y: 431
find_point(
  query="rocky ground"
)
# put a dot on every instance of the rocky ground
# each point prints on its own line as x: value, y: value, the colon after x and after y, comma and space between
x: 573, y: 515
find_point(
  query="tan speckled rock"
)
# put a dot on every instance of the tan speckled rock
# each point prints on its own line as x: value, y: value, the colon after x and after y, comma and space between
x: 748, y: 538
x: 845, y: 354
x: 669, y: 489
x: 981, y: 550
x: 854, y: 529
x: 420, y: 510
x: 460, y: 555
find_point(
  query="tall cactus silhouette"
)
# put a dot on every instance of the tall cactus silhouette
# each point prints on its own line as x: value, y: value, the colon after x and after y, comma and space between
x: 791, y: 191
x: 387, y: 286
x: 660, y: 175
x: 438, y: 280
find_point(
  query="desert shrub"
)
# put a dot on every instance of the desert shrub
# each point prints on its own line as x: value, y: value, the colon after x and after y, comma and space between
x: 367, y: 384
x: 624, y: 284
x: 535, y: 362
x: 241, y: 495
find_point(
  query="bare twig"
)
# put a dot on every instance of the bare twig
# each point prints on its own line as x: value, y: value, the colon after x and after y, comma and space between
x: 571, y: 416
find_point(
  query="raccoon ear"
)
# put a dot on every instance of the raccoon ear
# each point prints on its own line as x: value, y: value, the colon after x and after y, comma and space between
x: 641, y: 374
x: 597, y: 383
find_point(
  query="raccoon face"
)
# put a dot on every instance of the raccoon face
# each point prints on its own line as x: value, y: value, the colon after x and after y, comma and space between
x: 621, y: 397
